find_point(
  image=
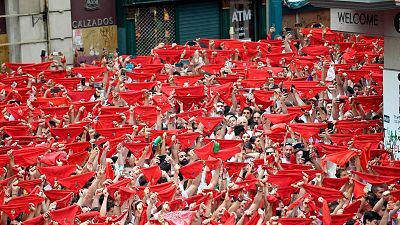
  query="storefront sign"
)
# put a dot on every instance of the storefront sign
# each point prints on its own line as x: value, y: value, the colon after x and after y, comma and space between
x: 365, y: 22
x: 92, y: 13
x: 241, y: 14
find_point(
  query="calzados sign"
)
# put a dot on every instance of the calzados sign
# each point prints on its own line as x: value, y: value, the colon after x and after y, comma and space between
x: 92, y: 13
x: 92, y: 23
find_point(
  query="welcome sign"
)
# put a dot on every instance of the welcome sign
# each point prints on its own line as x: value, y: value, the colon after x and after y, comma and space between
x: 355, y: 21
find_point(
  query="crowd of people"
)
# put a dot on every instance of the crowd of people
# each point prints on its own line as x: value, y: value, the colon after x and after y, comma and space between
x: 284, y: 131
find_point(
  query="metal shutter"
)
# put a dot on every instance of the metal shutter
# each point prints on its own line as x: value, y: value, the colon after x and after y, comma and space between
x: 198, y: 19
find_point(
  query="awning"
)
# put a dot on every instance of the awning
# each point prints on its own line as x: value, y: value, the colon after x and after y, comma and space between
x: 356, y: 4
x: 295, y: 4
x: 144, y: 2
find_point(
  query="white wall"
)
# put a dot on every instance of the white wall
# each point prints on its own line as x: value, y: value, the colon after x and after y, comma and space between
x: 33, y: 31
x: 60, y: 28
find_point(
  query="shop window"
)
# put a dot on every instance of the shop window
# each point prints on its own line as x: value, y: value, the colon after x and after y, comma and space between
x: 154, y: 25
x: 242, y: 19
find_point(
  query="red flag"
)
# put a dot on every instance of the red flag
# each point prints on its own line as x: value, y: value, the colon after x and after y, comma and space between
x: 326, y: 215
x: 280, y: 118
x: 340, y: 158
x: 295, y: 221
x: 29, y: 185
x: 187, y: 140
x: 316, y: 50
x: 109, y: 171
x: 54, y: 173
x: 88, y: 72
x: 329, y: 194
x: 75, y: 183
x: 152, y: 173
x: 85, y: 95
x: 308, y: 130
x: 358, y: 189
x: 39, y: 220
x: 65, y: 216
x: 209, y: 123
x: 180, y: 217
x: 335, y: 183
x: 137, y: 149
x: 192, y: 170
x: 204, y: 152
x: 352, y: 208
x: 64, y: 202
x: 13, y: 210
x: 132, y: 97
x: 375, y: 179
x: 55, y: 195
x: 67, y: 134
x: 77, y: 158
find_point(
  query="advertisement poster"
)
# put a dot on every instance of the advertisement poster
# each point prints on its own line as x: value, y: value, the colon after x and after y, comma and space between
x: 391, y: 110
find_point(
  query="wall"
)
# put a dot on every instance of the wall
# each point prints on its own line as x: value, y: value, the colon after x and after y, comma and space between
x: 306, y: 18
x: 32, y: 30
x: 38, y: 29
x: 60, y: 39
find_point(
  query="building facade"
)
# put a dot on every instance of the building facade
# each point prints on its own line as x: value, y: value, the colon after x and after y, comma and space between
x: 183, y: 21
x: 30, y: 27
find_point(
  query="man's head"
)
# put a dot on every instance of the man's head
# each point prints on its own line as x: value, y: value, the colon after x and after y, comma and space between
x: 287, y: 150
x: 357, y: 90
x: 246, y: 137
x: 183, y: 158
x: 256, y: 141
x: 329, y: 108
x: 243, y: 121
x: 270, y: 150
x: 219, y: 107
x: 257, y: 117
x: 371, y: 218
x: 378, y: 190
x: 247, y: 113
x: 232, y: 121
x: 239, y: 130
